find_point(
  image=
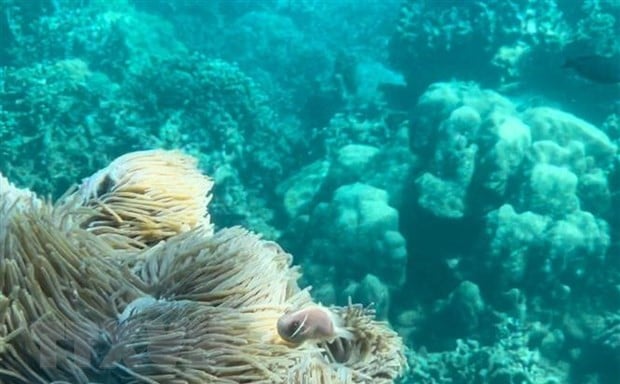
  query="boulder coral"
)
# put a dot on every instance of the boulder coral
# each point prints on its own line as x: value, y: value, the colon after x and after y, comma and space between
x: 474, y: 142
x: 363, y: 228
x: 469, y: 140
x: 534, y: 185
x: 181, y: 305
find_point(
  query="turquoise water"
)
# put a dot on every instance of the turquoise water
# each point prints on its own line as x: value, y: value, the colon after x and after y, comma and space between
x: 453, y: 162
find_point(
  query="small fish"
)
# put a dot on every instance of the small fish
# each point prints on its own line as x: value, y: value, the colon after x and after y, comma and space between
x: 319, y: 324
x: 596, y: 68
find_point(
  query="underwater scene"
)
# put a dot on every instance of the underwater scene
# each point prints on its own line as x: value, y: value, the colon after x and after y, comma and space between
x: 310, y: 191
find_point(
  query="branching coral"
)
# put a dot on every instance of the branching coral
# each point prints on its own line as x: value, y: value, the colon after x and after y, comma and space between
x: 473, y: 33
x: 47, y: 112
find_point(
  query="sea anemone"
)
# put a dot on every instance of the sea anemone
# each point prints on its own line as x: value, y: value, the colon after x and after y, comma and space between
x: 183, y: 303
x: 144, y: 197
x: 59, y: 293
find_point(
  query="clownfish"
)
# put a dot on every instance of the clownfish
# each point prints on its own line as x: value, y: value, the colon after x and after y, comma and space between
x: 317, y: 324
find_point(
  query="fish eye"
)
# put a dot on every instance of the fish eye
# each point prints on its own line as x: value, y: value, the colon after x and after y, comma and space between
x: 295, y: 324
x: 294, y: 329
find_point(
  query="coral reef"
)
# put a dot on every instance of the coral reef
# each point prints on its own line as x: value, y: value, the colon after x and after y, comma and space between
x: 451, y: 165
x: 510, y: 360
x: 474, y: 141
x: 517, y: 46
x: 48, y: 113
x: 97, y: 79
x: 534, y: 187
x: 476, y: 32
